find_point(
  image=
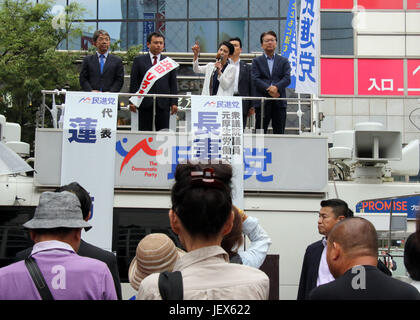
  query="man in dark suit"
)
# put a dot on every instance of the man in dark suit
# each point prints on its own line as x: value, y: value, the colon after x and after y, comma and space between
x: 165, y: 85
x: 102, y: 71
x: 352, y: 255
x: 271, y: 76
x: 243, y: 81
x: 86, y: 249
x: 315, y: 268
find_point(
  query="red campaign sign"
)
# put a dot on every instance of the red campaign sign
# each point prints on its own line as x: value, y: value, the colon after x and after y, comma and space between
x: 413, y: 4
x: 337, y: 76
x: 379, y: 77
x: 336, y: 4
x: 413, y: 77
x: 381, y: 4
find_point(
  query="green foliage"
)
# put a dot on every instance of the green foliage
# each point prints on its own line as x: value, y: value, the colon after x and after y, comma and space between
x: 28, y: 59
x: 29, y: 62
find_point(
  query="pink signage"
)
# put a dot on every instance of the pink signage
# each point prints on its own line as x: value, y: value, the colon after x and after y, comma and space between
x: 413, y: 77
x: 381, y: 4
x: 336, y: 4
x: 413, y: 4
x: 337, y: 76
x: 379, y: 77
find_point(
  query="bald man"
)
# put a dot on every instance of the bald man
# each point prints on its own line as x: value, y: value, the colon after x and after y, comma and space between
x: 352, y: 257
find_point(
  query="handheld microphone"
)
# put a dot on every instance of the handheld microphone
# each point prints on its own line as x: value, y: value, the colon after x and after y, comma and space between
x: 218, y: 59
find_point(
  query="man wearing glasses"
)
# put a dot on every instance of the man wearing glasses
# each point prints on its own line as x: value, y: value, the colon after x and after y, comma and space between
x: 102, y: 71
x: 271, y: 76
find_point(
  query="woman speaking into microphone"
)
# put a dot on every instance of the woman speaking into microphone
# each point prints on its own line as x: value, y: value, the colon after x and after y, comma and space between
x: 220, y: 75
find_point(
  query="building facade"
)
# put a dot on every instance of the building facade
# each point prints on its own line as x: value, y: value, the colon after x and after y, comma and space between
x: 370, y: 49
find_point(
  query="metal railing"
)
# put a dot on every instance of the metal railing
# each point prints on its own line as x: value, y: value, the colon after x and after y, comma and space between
x: 311, y: 101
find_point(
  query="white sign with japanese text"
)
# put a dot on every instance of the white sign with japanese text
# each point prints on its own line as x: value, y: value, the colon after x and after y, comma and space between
x: 88, y: 156
x: 308, y: 44
x: 217, y: 135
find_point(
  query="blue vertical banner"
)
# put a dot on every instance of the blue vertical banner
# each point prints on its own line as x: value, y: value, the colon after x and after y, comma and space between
x: 289, y: 48
x: 148, y: 27
x: 308, y: 48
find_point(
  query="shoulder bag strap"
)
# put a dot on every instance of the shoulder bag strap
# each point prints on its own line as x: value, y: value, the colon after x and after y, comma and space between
x: 171, y: 286
x: 38, y: 279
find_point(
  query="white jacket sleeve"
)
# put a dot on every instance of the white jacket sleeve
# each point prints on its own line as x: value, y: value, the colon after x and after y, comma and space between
x: 254, y: 256
x: 227, y: 79
x: 197, y: 68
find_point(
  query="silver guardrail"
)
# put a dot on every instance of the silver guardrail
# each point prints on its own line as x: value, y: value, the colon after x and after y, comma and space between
x: 313, y: 101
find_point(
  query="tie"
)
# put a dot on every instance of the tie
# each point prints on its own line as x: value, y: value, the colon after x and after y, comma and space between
x: 102, y: 62
x: 154, y: 60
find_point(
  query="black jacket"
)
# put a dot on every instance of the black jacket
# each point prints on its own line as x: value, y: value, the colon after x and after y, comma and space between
x: 365, y: 283
x: 245, y: 88
x: 280, y: 77
x: 112, y: 78
x: 165, y: 85
x: 310, y: 268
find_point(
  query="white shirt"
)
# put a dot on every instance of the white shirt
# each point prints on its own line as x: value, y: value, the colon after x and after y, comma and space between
x: 50, y: 245
x: 254, y: 256
x: 324, y: 274
x: 237, y: 68
x: 152, y: 55
x: 105, y: 54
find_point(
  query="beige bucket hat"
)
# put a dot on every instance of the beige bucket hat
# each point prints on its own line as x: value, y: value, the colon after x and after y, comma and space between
x: 155, y: 253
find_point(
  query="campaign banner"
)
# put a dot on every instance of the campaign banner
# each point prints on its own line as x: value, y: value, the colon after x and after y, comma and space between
x: 289, y: 48
x: 408, y: 205
x: 148, y: 160
x: 88, y: 156
x: 156, y: 72
x: 308, y: 47
x: 217, y: 135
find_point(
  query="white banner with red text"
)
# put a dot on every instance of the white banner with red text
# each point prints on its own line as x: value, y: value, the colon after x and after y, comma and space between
x: 156, y: 72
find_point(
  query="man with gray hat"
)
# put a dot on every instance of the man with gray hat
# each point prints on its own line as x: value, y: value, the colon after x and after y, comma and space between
x: 56, y: 231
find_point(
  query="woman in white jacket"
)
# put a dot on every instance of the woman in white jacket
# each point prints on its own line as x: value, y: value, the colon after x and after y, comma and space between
x: 220, y: 75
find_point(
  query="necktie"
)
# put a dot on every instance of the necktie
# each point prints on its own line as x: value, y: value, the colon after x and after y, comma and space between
x: 102, y: 62
x: 154, y: 60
